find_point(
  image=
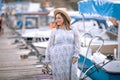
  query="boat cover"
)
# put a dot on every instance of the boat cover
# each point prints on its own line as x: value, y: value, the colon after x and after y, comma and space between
x: 102, y: 7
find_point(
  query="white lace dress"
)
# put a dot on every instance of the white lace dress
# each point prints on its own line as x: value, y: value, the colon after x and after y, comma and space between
x: 63, y: 45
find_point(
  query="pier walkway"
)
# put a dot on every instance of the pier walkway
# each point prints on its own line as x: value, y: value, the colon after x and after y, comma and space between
x: 12, y: 67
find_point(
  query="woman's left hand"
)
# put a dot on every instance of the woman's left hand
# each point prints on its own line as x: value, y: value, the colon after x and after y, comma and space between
x: 74, y: 60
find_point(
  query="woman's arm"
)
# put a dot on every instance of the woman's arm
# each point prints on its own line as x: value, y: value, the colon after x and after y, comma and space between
x: 50, y: 44
x: 76, y: 45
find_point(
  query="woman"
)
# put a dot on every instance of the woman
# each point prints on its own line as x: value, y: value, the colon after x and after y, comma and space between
x: 2, y: 23
x: 63, y: 48
x: 52, y: 25
x: 114, y: 26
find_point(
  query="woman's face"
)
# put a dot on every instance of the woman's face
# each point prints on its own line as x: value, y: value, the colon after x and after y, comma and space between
x: 59, y: 20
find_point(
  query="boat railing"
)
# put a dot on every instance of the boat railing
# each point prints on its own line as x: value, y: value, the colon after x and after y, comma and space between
x: 98, y: 37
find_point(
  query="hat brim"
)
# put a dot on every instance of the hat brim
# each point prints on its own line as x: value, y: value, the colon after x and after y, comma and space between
x: 63, y: 12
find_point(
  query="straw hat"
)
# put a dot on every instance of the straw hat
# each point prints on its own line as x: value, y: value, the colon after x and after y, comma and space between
x: 63, y: 11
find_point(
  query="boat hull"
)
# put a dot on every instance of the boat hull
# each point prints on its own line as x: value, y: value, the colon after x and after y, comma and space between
x: 97, y: 72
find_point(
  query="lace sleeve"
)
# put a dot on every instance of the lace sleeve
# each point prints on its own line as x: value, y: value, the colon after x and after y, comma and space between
x: 76, y: 43
x: 50, y: 44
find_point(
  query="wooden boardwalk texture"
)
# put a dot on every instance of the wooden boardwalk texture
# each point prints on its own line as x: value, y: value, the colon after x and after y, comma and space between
x: 11, y: 66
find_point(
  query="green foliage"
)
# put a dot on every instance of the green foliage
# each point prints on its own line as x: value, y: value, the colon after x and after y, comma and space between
x: 74, y: 5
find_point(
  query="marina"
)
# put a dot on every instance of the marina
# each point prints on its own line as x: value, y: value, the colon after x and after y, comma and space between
x: 27, y: 32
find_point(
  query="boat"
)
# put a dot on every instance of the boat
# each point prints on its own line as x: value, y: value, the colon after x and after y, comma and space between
x: 92, y: 25
x: 32, y: 29
x: 29, y: 24
x: 96, y: 65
